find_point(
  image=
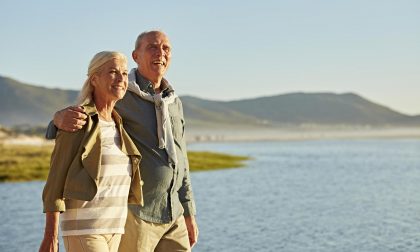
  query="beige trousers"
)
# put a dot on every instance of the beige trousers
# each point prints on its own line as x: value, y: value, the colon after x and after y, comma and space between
x: 92, y: 243
x: 143, y: 236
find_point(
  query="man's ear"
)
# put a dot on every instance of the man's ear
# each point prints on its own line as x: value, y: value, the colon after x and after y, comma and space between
x: 134, y: 55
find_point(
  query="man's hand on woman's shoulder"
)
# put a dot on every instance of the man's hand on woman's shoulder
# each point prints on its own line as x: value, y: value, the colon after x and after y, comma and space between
x: 70, y: 119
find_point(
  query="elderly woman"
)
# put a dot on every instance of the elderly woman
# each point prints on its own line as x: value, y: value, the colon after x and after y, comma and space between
x: 94, y: 172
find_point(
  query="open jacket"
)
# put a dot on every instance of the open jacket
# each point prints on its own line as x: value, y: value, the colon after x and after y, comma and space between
x: 76, y: 163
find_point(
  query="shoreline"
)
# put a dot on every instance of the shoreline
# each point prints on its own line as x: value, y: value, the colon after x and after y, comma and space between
x: 285, y: 134
x: 22, y: 163
x: 28, y: 156
x: 231, y: 134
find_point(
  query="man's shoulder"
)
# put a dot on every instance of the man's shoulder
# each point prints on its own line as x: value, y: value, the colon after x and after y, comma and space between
x: 128, y: 98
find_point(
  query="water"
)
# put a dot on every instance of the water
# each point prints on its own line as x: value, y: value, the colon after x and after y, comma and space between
x: 344, y: 195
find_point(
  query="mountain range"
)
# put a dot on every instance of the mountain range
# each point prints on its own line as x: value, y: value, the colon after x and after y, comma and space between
x: 21, y: 103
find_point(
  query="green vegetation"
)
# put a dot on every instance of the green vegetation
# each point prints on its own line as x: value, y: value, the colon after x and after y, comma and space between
x: 26, y: 163
x: 201, y: 161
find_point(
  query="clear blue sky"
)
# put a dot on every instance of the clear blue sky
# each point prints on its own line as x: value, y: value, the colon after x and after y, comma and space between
x: 225, y: 50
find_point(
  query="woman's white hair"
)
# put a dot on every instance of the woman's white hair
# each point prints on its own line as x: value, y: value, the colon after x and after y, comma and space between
x: 95, y: 66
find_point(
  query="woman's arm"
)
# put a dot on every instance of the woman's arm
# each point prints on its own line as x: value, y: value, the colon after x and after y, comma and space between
x: 65, y: 151
x: 50, y: 241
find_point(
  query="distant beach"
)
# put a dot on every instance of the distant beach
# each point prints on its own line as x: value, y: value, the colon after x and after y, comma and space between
x: 295, y: 134
x: 227, y: 134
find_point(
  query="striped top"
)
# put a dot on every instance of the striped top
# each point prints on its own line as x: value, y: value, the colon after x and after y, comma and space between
x: 106, y: 213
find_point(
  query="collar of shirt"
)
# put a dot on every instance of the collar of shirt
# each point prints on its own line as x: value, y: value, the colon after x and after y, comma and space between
x: 147, y: 86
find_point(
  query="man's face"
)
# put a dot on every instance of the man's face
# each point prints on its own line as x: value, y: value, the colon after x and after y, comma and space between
x: 153, y: 56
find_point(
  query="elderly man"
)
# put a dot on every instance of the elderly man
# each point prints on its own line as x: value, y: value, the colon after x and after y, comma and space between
x: 153, y: 116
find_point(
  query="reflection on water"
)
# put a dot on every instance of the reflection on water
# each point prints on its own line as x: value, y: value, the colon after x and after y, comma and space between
x: 293, y: 196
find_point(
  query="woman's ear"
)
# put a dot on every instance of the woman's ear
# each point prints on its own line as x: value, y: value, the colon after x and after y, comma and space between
x: 94, y: 80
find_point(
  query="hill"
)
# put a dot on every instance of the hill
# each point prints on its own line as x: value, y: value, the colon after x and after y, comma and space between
x: 21, y: 103
x: 298, y: 109
x: 321, y: 109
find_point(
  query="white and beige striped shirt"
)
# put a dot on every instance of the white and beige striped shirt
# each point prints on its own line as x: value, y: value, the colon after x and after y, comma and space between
x: 106, y: 213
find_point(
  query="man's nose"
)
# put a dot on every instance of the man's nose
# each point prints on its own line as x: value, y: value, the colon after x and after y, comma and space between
x: 161, y: 51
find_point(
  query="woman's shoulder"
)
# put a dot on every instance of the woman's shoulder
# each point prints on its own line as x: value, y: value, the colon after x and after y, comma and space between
x: 78, y: 133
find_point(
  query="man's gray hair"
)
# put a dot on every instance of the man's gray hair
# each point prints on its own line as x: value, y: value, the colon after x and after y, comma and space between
x: 142, y: 35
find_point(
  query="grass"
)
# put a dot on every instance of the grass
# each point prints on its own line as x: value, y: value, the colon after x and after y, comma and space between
x: 27, y: 163
x: 24, y: 163
x: 203, y: 161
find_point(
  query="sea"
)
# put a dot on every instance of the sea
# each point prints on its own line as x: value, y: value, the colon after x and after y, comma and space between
x: 291, y: 196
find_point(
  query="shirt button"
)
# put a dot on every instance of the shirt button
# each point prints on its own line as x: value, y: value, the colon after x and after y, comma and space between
x: 141, y: 182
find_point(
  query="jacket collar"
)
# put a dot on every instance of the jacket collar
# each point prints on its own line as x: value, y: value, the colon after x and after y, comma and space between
x: 90, y: 110
x: 128, y: 146
x: 146, y: 86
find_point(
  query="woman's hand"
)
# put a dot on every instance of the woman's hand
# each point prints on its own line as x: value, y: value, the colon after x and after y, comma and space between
x: 50, y: 241
x: 49, y: 244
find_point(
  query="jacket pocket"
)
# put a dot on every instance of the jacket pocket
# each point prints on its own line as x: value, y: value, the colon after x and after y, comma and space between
x: 79, y: 184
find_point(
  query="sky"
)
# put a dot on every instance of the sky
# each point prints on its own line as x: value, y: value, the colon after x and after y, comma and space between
x: 227, y: 49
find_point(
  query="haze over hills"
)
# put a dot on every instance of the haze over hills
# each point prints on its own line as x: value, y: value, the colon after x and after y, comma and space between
x: 21, y: 103
x: 299, y: 109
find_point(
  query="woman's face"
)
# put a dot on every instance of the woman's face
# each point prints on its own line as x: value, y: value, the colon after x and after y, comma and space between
x: 110, y: 84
